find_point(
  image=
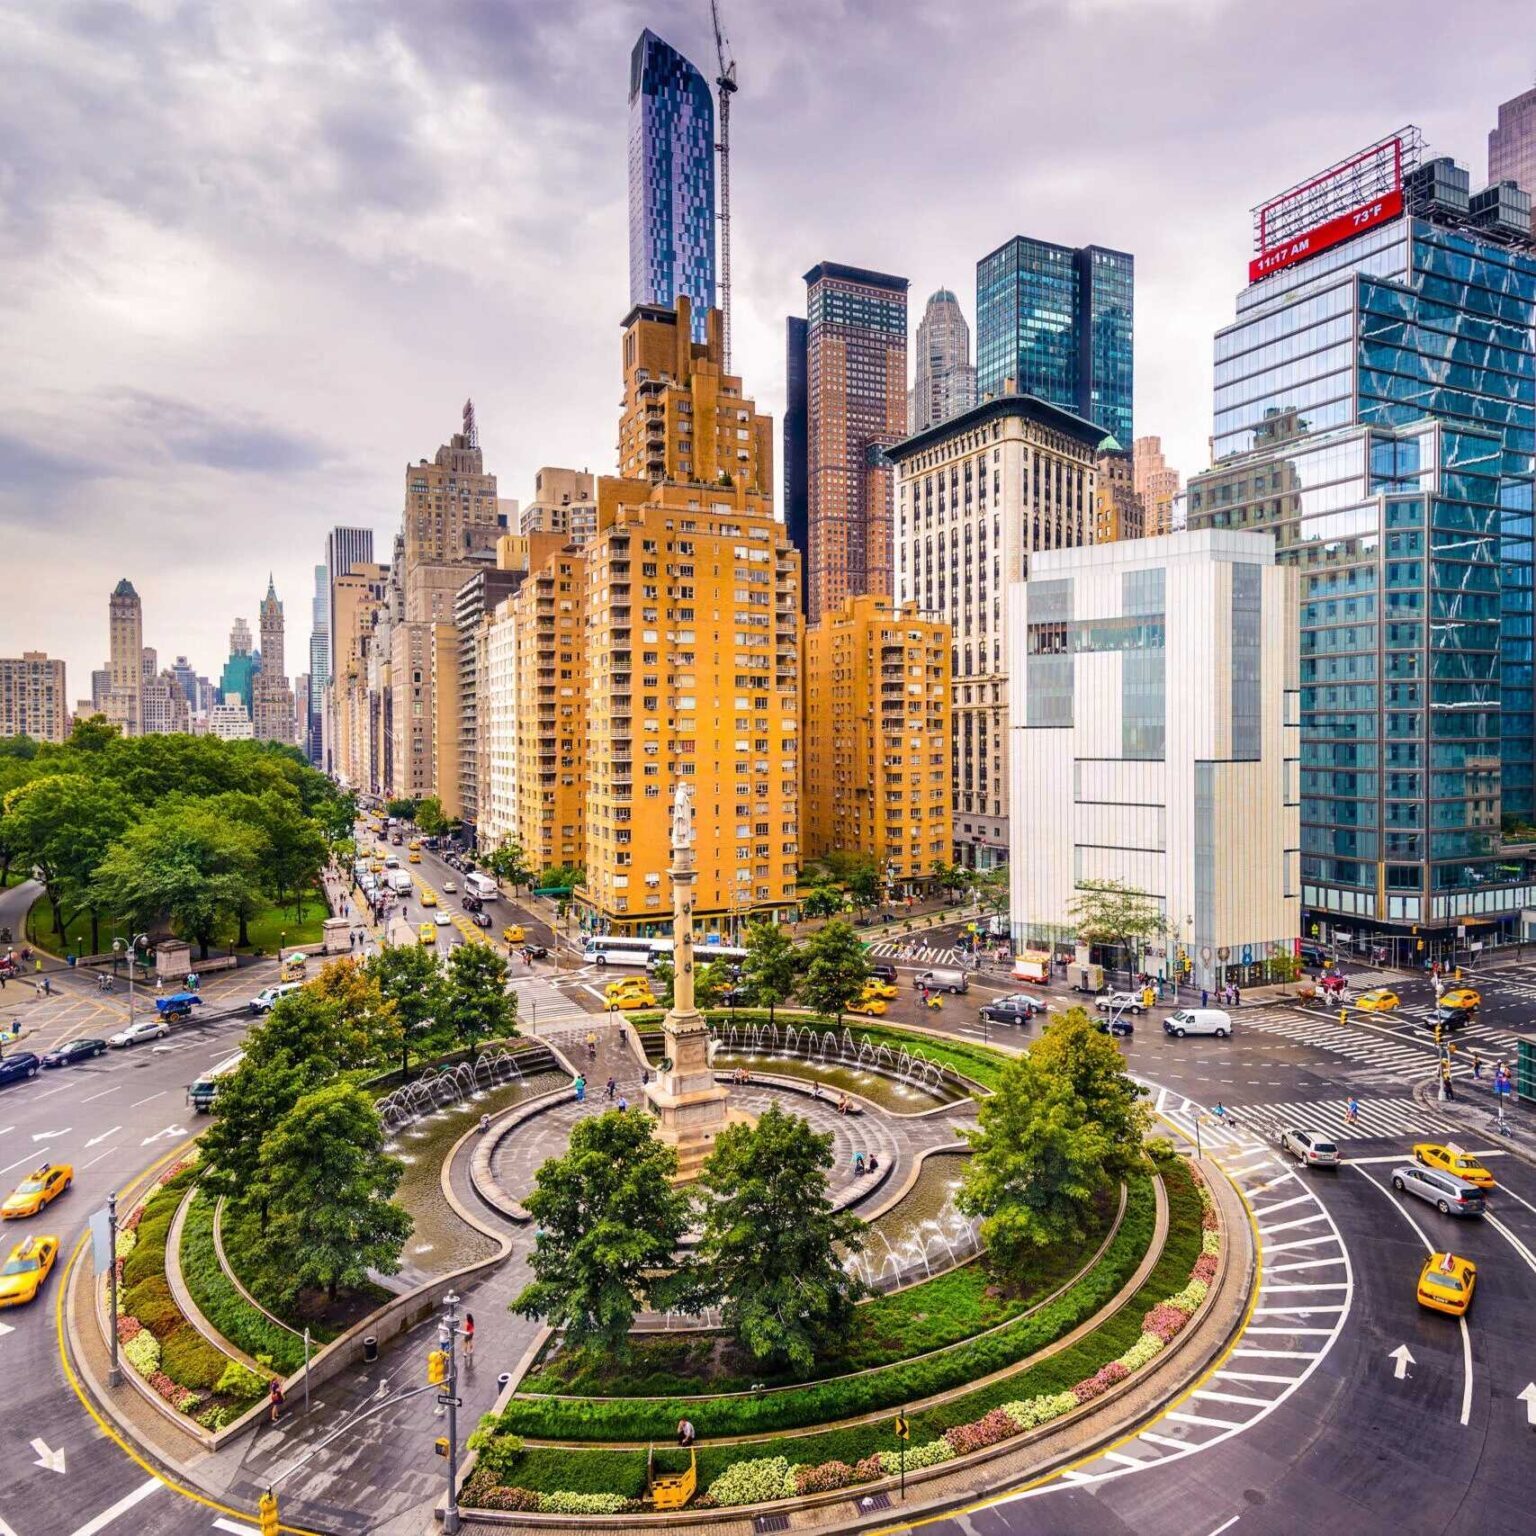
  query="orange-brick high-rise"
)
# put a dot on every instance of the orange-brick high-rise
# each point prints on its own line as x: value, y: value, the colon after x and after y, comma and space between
x: 692, y: 607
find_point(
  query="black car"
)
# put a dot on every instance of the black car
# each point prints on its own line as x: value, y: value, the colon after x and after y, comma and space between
x: 19, y: 1064
x: 1119, y: 1025
x: 74, y: 1050
x: 885, y: 973
x: 1451, y: 1018
x: 737, y: 997
x: 1013, y: 1010
x: 480, y: 919
x: 537, y: 951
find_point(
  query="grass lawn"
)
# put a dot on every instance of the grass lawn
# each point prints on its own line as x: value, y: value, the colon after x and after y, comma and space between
x: 77, y: 937
x: 266, y: 929
x: 274, y: 926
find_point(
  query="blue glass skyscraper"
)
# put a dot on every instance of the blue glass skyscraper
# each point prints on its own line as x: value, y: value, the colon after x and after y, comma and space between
x: 1375, y: 408
x: 1060, y: 323
x: 671, y: 180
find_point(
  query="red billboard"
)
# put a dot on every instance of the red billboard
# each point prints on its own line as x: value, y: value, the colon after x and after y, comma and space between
x: 1345, y: 200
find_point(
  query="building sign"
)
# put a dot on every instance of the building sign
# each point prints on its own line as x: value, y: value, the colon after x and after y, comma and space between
x: 1355, y: 195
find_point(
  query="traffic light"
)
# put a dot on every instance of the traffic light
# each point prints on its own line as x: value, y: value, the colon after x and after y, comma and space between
x: 1438, y: 1032
x: 437, y: 1367
x: 266, y: 1510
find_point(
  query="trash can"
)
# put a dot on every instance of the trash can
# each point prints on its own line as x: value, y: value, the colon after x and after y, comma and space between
x: 370, y: 1349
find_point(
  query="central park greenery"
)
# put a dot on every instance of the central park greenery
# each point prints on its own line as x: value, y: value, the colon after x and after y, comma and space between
x: 200, y: 838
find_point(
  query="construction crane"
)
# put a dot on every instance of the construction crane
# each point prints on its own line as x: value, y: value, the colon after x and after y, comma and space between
x: 726, y: 82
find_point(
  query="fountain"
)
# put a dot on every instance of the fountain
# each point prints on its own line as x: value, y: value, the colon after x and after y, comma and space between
x: 456, y: 1085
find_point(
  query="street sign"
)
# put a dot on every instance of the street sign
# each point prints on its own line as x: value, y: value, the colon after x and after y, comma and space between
x: 101, y: 1240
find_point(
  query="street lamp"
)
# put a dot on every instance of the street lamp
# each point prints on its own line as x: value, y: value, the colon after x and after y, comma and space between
x: 131, y: 947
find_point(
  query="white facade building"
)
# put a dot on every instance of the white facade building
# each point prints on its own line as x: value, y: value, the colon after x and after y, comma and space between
x: 975, y: 497
x: 229, y: 721
x: 499, y: 805
x: 1155, y: 742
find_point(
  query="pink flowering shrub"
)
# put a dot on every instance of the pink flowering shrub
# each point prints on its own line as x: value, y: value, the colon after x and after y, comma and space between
x: 869, y: 1469
x: 1208, y: 1218
x: 824, y: 1478
x: 985, y: 1431
x: 1205, y: 1268
x: 127, y: 1327
x: 1165, y: 1320
x: 1100, y: 1382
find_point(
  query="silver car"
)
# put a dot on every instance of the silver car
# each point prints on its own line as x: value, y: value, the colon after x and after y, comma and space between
x: 1448, y: 1194
x: 1309, y: 1148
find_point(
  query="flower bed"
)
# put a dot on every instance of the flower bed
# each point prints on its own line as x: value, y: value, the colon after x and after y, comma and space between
x: 770, y: 1469
x: 154, y: 1337
x: 849, y: 1396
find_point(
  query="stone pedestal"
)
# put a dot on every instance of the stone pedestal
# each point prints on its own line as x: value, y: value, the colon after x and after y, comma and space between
x: 173, y: 960
x: 337, y: 933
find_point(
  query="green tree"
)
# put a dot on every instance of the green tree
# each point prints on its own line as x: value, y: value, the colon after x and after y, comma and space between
x: 822, y: 901
x: 475, y: 1002
x: 663, y: 975
x: 709, y: 981
x: 509, y: 864
x: 1112, y: 913
x: 608, y: 1223
x: 184, y: 864
x: 429, y: 816
x: 771, y: 1238
x: 64, y: 825
x: 836, y: 970
x: 367, y: 1022
x: 992, y: 889
x: 332, y: 1218
x: 1063, y: 1124
x: 411, y: 979
x: 405, y: 810
x: 864, y: 886
x: 772, y: 965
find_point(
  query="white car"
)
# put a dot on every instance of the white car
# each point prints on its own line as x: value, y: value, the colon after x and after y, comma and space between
x: 441, y: 918
x: 1309, y: 1148
x: 1118, y: 1002
x: 141, y: 1029
x: 450, y: 887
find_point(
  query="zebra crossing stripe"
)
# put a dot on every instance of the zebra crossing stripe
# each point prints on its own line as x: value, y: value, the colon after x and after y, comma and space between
x: 1382, y: 1117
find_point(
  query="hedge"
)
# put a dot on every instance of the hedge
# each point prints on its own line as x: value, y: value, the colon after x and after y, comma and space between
x: 248, y: 1329
x: 850, y: 1396
x: 929, y: 1315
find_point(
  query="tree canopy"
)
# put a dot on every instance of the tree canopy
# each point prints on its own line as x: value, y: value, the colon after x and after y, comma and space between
x: 772, y: 965
x: 836, y: 970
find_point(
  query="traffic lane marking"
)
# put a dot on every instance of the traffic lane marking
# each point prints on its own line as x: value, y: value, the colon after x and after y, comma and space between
x: 123, y: 1505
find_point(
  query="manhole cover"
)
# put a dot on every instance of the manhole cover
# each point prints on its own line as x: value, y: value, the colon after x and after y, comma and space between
x: 770, y: 1523
x: 875, y: 1501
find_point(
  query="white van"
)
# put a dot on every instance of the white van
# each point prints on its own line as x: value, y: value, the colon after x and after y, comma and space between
x: 943, y: 981
x: 267, y: 999
x: 1199, y: 1021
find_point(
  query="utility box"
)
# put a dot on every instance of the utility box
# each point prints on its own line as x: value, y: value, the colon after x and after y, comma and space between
x: 1086, y: 978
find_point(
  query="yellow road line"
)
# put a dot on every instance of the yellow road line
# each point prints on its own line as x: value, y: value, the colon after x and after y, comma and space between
x: 1144, y: 1425
x: 109, y: 1430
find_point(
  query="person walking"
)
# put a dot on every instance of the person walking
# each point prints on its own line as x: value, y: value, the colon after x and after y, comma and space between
x: 275, y: 1401
x: 469, y: 1335
x: 1477, y: 1065
x: 580, y: 1085
x: 623, y: 1105
x: 1352, y: 1111
x: 1205, y: 997
x: 1445, y: 1080
x: 611, y: 1090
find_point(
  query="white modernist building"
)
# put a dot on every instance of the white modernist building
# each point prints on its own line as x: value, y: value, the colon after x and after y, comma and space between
x: 229, y: 721
x: 1155, y: 742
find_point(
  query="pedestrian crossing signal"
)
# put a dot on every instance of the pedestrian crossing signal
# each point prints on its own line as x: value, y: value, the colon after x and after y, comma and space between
x: 903, y: 1427
x: 437, y: 1368
x: 266, y: 1510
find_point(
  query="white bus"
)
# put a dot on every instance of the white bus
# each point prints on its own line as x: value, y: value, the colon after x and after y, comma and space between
x: 482, y: 886
x: 611, y: 949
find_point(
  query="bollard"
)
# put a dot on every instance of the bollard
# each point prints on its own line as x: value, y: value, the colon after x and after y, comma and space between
x: 370, y: 1349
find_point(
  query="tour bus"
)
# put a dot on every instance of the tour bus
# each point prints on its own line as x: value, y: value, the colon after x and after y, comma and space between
x: 481, y: 885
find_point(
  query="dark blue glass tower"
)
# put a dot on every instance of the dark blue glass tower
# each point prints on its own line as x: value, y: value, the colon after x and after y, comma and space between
x: 671, y: 180
x: 1059, y: 322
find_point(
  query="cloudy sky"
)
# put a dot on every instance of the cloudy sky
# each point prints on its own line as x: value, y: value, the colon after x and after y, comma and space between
x: 254, y: 257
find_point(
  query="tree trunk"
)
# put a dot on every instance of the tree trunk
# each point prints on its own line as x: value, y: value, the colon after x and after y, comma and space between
x: 95, y: 932
x: 243, y: 938
x: 202, y: 946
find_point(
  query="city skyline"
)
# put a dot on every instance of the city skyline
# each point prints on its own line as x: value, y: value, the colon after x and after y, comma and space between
x: 223, y: 457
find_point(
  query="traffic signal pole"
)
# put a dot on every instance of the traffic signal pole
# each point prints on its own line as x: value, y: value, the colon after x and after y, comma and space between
x: 445, y: 1338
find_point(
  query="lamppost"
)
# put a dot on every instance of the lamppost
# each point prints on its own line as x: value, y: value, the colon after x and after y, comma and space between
x: 131, y: 947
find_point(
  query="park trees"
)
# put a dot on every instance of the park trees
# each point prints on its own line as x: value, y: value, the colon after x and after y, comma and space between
x: 608, y: 1224
x: 430, y: 818
x: 1063, y: 1125
x: 836, y: 970
x: 474, y: 1001
x: 769, y: 1247
x: 411, y: 980
x: 822, y: 901
x: 772, y: 965
x: 329, y: 1185
x: 1110, y: 912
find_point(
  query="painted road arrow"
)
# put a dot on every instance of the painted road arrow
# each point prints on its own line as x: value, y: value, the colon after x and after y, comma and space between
x: 1405, y: 1359
x: 171, y: 1130
x: 1528, y: 1397
x: 52, y: 1135
x: 52, y: 1460
x: 5, y: 1328
x: 94, y: 1139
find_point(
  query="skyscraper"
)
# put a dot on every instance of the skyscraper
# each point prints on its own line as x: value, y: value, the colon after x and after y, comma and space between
x: 125, y: 659
x: 344, y: 549
x: 796, y: 447
x: 1059, y: 322
x: 1375, y: 405
x: 311, y: 699
x: 671, y: 181
x: 856, y: 408
x: 1156, y: 483
x: 32, y: 697
x: 1512, y: 145
x: 272, y: 707
x: 240, y: 670
x: 944, y: 382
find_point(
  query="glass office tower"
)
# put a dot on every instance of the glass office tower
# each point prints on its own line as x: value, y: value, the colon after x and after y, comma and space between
x: 1375, y: 406
x: 671, y: 180
x: 1059, y: 322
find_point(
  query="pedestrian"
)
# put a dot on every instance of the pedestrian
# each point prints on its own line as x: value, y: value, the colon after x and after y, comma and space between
x: 611, y: 1090
x: 1477, y: 1065
x: 580, y: 1085
x: 858, y: 1165
x: 1205, y: 997
x: 874, y: 1163
x: 275, y: 1399
x: 685, y: 1433
x: 843, y: 1105
x: 469, y: 1335
x: 591, y: 1046
x: 1445, y: 1080
x: 1237, y: 995
x: 816, y: 1089
x: 623, y: 1104
x: 1352, y: 1111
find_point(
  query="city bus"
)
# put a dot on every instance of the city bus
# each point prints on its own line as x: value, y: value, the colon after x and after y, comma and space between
x: 615, y: 949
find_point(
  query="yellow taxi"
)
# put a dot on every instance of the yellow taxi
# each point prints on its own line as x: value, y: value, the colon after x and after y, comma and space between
x: 874, y: 1006
x: 631, y: 994
x: 514, y: 934
x: 1446, y: 1283
x: 1377, y: 1000
x: 1461, y: 998
x: 428, y: 898
x: 874, y: 987
x: 415, y: 845
x: 29, y: 1265
x: 1452, y: 1160
x: 37, y: 1189
x: 414, y: 858
x: 427, y: 933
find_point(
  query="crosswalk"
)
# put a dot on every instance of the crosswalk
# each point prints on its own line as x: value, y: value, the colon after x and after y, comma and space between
x: 1381, y: 1052
x: 1377, y: 1117
x: 916, y: 954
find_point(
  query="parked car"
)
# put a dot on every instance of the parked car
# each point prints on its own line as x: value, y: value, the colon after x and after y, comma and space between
x: 19, y: 1064
x: 1448, y: 1194
x: 72, y: 1051
x: 140, y: 1029
x: 1309, y: 1148
x: 1199, y: 1021
x: 1018, y: 1009
x: 1118, y: 1002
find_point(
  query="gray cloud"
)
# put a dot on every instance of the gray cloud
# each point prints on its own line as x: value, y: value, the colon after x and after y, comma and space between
x: 252, y: 258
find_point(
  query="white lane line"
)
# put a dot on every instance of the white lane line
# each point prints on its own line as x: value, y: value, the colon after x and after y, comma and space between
x: 104, y: 1092
x: 1278, y: 1354
x: 1514, y: 1242
x: 1226, y: 1525
x: 107, y: 1153
x: 137, y: 1102
x: 1231, y: 1397
x: 1290, y: 1226
x: 1123, y: 1459
x: 1279, y: 1205
x: 1306, y: 1285
x: 1293, y: 1333
x: 123, y: 1505
x: 1157, y: 1439
x: 235, y: 1527
x: 1301, y: 1242
x: 1275, y: 1381
x: 9, y: 1166
x: 1301, y: 1309
x: 1295, y: 1264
